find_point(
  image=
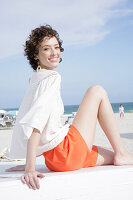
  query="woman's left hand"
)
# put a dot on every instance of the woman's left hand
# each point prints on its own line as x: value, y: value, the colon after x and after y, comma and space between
x: 16, y: 168
x: 31, y: 179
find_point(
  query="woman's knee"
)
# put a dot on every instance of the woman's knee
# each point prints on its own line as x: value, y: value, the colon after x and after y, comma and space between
x: 97, y: 90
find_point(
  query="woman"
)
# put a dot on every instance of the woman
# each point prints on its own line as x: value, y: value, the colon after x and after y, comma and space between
x: 38, y: 129
x: 121, y: 111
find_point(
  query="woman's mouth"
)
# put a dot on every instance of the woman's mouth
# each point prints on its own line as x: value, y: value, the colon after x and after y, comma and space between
x: 53, y: 59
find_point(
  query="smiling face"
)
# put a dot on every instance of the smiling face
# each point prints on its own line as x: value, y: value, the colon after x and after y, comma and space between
x: 49, y: 53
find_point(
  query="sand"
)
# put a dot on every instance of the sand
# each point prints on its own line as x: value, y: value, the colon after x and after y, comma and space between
x: 125, y: 126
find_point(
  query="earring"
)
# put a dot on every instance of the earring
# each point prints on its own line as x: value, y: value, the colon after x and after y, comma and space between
x: 38, y: 68
x: 60, y: 60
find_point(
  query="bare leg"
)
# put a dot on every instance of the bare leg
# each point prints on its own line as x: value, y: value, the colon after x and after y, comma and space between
x: 95, y: 105
x: 105, y: 156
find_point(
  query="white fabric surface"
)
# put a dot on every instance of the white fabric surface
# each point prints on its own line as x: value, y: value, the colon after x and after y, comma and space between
x: 92, y: 183
x: 41, y: 108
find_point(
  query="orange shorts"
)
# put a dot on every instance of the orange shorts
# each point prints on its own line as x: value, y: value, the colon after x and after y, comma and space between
x: 71, y: 154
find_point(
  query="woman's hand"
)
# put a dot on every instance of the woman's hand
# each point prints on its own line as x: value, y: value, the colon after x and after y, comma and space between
x: 16, y: 168
x: 31, y: 179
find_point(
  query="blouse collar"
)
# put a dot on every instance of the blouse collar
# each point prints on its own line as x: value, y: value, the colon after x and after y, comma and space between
x: 38, y: 76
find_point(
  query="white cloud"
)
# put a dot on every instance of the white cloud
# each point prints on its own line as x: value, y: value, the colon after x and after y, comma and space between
x: 78, y: 22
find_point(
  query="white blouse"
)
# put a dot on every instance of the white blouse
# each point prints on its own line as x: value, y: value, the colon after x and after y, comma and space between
x: 41, y: 108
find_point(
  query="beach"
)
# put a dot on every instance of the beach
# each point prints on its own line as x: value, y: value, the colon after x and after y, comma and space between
x: 66, y: 185
x: 125, y: 126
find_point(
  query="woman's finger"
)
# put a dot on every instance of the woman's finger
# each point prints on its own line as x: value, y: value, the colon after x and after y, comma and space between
x: 27, y: 181
x: 23, y: 179
x: 36, y: 181
x: 40, y: 175
x: 26, y: 178
x: 31, y: 181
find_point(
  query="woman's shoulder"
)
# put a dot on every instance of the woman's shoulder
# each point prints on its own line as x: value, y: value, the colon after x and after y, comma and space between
x: 50, y: 82
x: 44, y: 76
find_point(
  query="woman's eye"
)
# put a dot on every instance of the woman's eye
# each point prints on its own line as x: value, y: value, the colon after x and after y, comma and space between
x: 48, y: 48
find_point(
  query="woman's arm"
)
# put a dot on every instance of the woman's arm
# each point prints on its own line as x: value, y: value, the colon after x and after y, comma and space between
x: 30, y: 176
x: 32, y: 146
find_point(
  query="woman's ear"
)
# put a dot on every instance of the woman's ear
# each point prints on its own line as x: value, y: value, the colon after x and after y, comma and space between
x: 36, y: 57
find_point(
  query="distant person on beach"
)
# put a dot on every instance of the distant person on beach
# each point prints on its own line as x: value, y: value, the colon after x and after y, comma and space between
x: 38, y: 130
x: 121, y: 111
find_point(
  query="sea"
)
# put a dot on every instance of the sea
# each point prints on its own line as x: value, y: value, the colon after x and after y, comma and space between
x: 68, y: 109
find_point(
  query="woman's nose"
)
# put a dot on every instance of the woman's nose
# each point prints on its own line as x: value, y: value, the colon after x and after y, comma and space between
x: 53, y: 51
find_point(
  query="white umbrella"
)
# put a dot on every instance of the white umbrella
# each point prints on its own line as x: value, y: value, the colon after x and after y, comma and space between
x: 12, y: 113
x: 2, y: 111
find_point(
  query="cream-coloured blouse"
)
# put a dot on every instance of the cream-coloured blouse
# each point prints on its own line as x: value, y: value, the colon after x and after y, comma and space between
x: 41, y: 108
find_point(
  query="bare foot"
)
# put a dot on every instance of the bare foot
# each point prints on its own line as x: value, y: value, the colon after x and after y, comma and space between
x: 17, y: 168
x: 126, y: 159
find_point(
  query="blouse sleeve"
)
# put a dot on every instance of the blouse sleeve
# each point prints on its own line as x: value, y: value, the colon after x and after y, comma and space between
x: 41, y: 108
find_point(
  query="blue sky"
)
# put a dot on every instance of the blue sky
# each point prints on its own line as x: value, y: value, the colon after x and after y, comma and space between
x: 98, y: 41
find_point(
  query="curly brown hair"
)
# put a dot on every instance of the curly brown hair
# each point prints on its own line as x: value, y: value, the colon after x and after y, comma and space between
x: 31, y: 47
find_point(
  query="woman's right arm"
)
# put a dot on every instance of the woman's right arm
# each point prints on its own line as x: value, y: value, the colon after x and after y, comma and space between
x: 30, y: 176
x: 37, y: 116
